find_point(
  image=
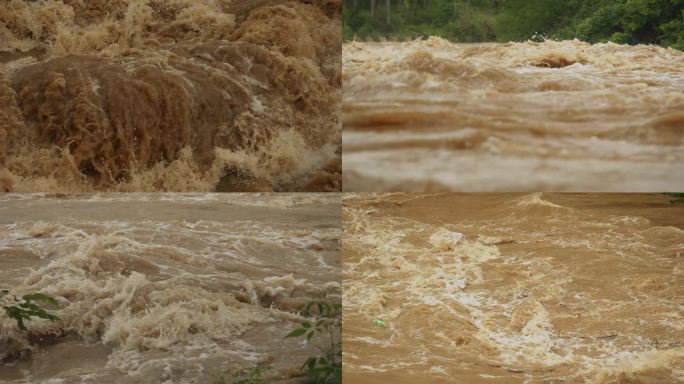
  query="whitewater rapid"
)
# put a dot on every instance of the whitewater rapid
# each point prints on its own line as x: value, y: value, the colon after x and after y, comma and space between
x: 164, y: 287
x: 181, y: 95
x: 431, y: 115
x: 503, y: 288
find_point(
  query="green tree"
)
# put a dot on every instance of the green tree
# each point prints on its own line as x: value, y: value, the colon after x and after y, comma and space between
x: 622, y: 21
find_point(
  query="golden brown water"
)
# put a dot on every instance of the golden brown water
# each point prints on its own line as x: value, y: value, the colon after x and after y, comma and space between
x: 180, y: 95
x: 172, y: 288
x: 526, y: 288
x: 435, y: 116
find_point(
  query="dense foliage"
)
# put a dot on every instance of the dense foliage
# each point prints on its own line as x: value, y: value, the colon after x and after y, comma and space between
x: 622, y: 21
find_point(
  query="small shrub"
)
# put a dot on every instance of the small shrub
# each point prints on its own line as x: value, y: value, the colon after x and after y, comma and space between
x: 326, y: 368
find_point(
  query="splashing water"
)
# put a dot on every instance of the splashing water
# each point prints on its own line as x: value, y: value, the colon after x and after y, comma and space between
x: 164, y: 287
x: 182, y: 95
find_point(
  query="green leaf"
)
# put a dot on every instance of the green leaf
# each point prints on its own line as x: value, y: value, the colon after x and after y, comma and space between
x: 310, y: 363
x: 297, y: 332
x: 24, y: 309
x: 379, y: 323
x: 39, y: 297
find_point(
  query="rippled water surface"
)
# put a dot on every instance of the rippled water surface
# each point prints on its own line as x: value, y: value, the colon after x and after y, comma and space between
x: 434, y: 116
x: 169, y: 95
x: 168, y: 288
x: 535, y: 288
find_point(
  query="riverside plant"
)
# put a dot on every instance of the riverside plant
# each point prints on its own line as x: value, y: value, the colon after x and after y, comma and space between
x: 325, y: 320
x: 24, y: 309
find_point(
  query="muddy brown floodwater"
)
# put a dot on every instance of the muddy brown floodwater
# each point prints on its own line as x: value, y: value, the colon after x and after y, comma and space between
x: 170, y: 95
x: 554, y: 116
x: 164, y: 288
x: 526, y: 288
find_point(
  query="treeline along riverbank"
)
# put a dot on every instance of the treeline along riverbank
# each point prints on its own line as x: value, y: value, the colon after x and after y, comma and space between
x: 621, y: 21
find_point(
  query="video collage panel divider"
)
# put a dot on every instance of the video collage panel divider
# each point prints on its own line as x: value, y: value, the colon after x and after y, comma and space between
x: 341, y: 191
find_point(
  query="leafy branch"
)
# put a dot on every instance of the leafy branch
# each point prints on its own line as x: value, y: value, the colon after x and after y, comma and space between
x: 24, y: 309
x: 327, y: 321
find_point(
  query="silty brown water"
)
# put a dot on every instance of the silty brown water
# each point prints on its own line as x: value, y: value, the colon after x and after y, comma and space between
x: 172, y: 288
x: 181, y: 95
x: 492, y: 288
x: 431, y: 115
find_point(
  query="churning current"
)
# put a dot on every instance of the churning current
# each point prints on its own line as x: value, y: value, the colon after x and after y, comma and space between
x: 431, y: 115
x: 175, y: 288
x: 505, y: 288
x: 181, y: 95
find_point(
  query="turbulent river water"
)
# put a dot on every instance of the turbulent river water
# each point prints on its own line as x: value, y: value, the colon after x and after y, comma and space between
x: 536, y: 288
x: 554, y: 116
x: 179, y: 95
x: 164, y: 288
